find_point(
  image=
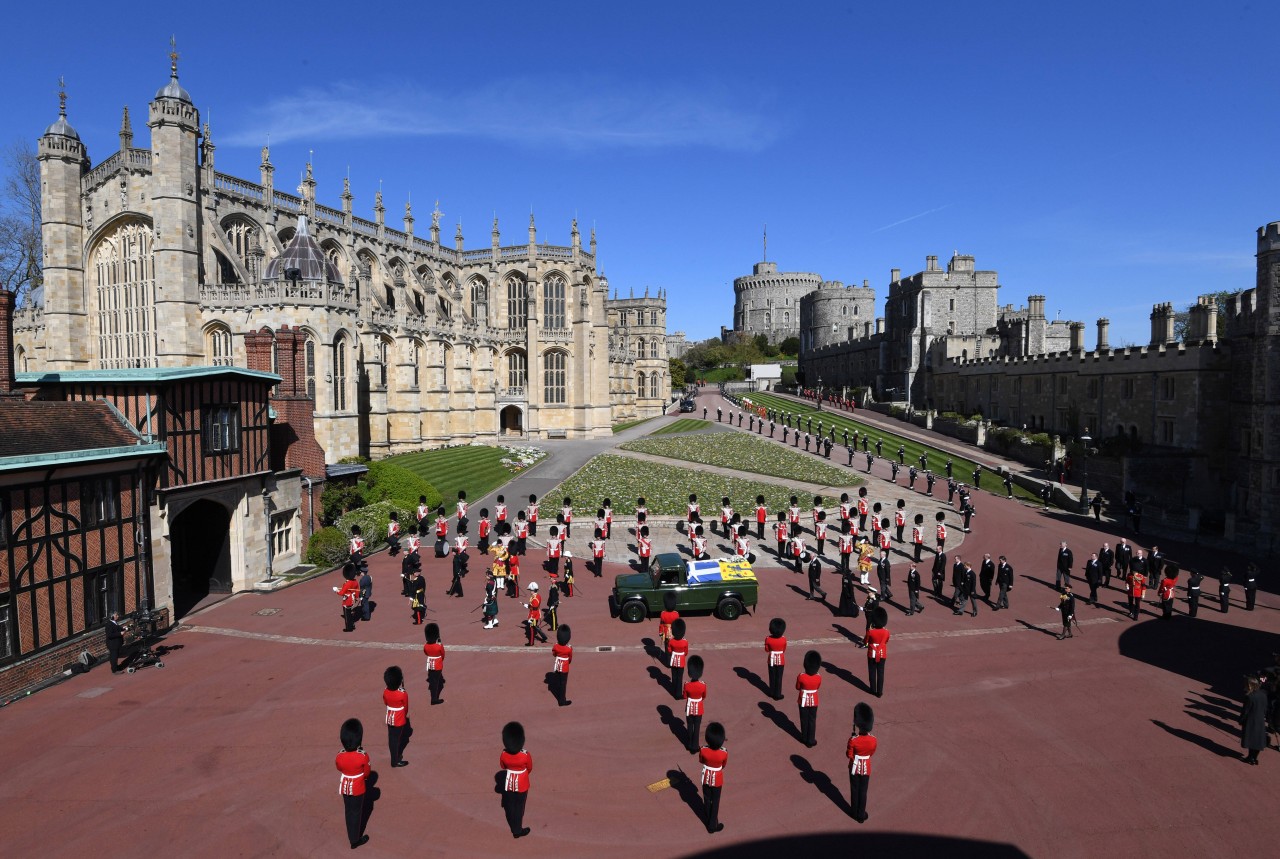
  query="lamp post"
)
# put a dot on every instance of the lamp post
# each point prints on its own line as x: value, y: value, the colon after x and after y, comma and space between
x: 267, y: 507
x: 1085, y: 440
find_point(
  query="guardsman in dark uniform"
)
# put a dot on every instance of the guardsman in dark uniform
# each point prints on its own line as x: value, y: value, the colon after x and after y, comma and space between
x: 397, y: 703
x: 929, y: 478
x: 939, y: 573
x: 1046, y: 493
x: 517, y: 764
x: 913, y: 591
x: 951, y: 490
x: 924, y: 462
x: 1008, y: 483
x: 115, y: 640
x: 1093, y: 575
x: 986, y: 576
x: 775, y: 649
x: 1106, y: 558
x: 353, y: 765
x: 1250, y: 586
x: 912, y: 474
x: 977, y: 477
x: 879, y: 445
x: 784, y: 435
x: 713, y: 758
x: 1193, y: 593
x: 1064, y: 563
x: 893, y: 470
x: 870, y: 459
x: 862, y: 745
x: 815, y: 576
x: 948, y: 468
x: 695, y: 696
x: 1066, y: 608
x: 807, y: 685
x: 902, y: 455
x: 1004, y: 581
x: 719, y: 414
x: 1224, y: 590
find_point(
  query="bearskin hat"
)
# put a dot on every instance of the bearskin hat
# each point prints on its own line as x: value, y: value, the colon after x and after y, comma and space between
x: 563, y: 634
x: 352, y: 734
x: 714, y: 735
x: 513, y: 737
x: 812, y: 662
x: 432, y: 633
x: 695, y: 667
x: 777, y: 627
x: 863, y: 718
x: 393, y: 677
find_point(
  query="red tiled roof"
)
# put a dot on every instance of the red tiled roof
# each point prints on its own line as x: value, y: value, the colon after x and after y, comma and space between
x: 29, y: 428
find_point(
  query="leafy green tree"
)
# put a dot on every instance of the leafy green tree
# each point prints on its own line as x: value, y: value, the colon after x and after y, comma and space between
x: 678, y: 373
x: 790, y: 346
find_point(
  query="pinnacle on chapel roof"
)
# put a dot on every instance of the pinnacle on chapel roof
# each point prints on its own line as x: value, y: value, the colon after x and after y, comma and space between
x: 173, y: 89
x: 62, y: 127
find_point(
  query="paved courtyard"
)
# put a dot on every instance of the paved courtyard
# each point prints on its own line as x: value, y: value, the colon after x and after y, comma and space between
x: 996, y: 739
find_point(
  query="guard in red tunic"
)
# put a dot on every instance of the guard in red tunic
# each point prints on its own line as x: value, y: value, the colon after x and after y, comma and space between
x: 817, y: 512
x: 846, y: 545
x: 349, y: 591
x: 500, y: 510
x: 483, y: 529
x: 820, y: 532
x: 797, y: 549
x: 555, y: 547
x: 742, y: 544
x: 668, y: 616
x: 533, y: 623
x: 782, y: 533
x: 356, y: 545
x: 561, y: 656
x: 775, y: 651
x: 598, y: 545
x: 601, y: 525
x: 699, y: 544
x: 940, y: 540
x: 864, y: 507
x: 393, y: 534
x: 713, y: 758
x: 807, y: 685
x: 677, y: 653
x: 567, y: 580
x: 1137, y: 590
x: 883, y: 537
x: 397, y: 702
x: 522, y: 533
x: 862, y: 745
x: 693, y: 513
x: 726, y: 514
x: 463, y: 508
x: 877, y: 644
x: 608, y: 519
x: 516, y: 764
x: 644, y: 547
x: 642, y: 513
x: 793, y: 515
x: 900, y: 519
x: 424, y: 510
x: 353, y: 765
x: 1167, y: 586
x: 762, y: 513
x: 917, y: 535
x: 531, y: 515
x: 845, y: 507
x: 695, y: 696
x: 434, y: 651
x: 566, y: 510
x: 442, y: 526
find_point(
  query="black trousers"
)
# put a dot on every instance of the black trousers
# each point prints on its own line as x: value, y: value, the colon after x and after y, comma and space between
x: 913, y: 597
x: 354, y: 808
x: 455, y: 587
x: 775, y: 682
x: 759, y: 530
x: 809, y: 725
x: 1093, y: 592
x: 1250, y: 598
x: 711, y: 805
x: 1166, y: 607
x: 395, y: 742
x: 693, y: 731
x: 513, y: 805
x: 1224, y: 599
x: 919, y: 548
x: 1135, y: 606
x: 435, y: 685
x: 533, y: 527
x: 875, y: 673
x: 677, y: 683
x: 1193, y: 605
x: 1002, y: 601
x: 1106, y: 577
x: 559, y: 685
x: 644, y: 563
x: 844, y: 562
x: 858, y: 785
x: 113, y: 654
x: 349, y: 618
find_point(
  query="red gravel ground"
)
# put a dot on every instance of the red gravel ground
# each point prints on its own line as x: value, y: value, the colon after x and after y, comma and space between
x: 995, y: 738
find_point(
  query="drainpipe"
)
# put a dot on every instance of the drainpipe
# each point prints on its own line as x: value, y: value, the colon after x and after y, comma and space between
x: 310, y: 507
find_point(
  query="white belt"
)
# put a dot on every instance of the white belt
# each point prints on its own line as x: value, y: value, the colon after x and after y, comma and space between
x: 394, y: 709
x: 513, y: 779
x: 689, y: 706
x: 561, y: 661
x: 677, y: 660
x: 708, y: 774
x: 433, y: 663
x: 348, y: 783
x: 807, y: 697
x: 859, y: 764
x: 775, y: 657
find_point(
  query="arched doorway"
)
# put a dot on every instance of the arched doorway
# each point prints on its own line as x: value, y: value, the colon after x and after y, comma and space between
x: 511, y: 421
x: 201, y: 540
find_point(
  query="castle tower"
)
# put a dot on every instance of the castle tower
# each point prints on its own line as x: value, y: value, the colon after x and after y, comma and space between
x: 63, y: 161
x: 175, y: 124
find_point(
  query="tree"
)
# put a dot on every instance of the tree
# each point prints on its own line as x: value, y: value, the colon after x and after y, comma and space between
x: 1182, y: 318
x: 20, y: 249
x: 678, y: 370
x: 790, y: 346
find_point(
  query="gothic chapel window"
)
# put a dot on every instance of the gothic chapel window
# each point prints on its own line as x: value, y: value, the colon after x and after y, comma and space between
x: 517, y: 303
x: 124, y: 296
x: 553, y: 302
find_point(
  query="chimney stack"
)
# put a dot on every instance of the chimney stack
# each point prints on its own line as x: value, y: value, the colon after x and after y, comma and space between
x: 1104, y: 326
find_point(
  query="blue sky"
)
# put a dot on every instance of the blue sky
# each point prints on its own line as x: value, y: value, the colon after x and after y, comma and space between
x: 1107, y: 155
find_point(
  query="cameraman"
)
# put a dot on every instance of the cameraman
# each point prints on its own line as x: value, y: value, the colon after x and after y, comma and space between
x: 115, y: 640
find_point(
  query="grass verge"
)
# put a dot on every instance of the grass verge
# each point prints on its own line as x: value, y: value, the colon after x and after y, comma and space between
x: 476, y: 468
x: 744, y: 452
x: 682, y: 425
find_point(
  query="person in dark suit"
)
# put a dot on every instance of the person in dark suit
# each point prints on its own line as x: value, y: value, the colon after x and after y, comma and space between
x: 1253, y: 720
x: 970, y: 589
x: 884, y: 573
x: 1065, y: 562
x: 1124, y: 554
x: 1093, y: 575
x: 1106, y: 559
x: 939, y: 572
x: 115, y: 641
x: 986, y: 576
x: 1004, y: 581
x: 1155, y: 565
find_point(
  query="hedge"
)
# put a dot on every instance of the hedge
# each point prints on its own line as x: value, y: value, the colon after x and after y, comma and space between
x: 399, y: 486
x: 327, y: 548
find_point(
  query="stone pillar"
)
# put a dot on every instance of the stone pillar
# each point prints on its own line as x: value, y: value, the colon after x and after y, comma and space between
x: 1161, y: 324
x: 1077, y: 336
x: 63, y: 160
x: 1036, y: 324
x: 1104, y: 326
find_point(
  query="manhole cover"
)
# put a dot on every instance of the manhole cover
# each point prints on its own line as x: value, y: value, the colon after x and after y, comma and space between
x: 608, y: 648
x: 267, y: 612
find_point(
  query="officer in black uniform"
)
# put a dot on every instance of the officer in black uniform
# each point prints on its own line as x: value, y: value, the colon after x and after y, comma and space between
x: 1250, y: 586
x: 1224, y: 590
x: 929, y: 478
x: 1193, y: 593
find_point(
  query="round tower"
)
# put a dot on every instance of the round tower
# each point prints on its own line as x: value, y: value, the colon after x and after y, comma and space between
x: 768, y: 301
x: 63, y: 162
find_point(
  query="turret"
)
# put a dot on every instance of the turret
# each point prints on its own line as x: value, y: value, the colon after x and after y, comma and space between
x: 63, y: 160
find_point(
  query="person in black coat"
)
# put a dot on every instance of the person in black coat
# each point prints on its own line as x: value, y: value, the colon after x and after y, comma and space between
x: 1067, y: 608
x: 115, y: 641
x: 913, y: 591
x: 987, y: 576
x: 1004, y: 581
x: 1065, y: 561
x: 1093, y: 575
x: 1106, y: 559
x: 1250, y: 586
x: 848, y: 596
x: 1224, y: 590
x: 970, y: 589
x: 1193, y: 593
x: 815, y: 577
x: 939, y: 573
x: 1253, y: 720
x: 884, y: 573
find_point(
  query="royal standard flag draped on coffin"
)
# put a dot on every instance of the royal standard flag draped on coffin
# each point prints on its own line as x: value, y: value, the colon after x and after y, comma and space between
x: 720, y: 570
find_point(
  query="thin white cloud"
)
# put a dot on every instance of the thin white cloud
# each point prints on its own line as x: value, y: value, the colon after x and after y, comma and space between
x: 905, y: 220
x: 519, y: 111
x: 1230, y: 260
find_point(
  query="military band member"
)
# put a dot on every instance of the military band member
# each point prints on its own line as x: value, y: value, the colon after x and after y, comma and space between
x: 349, y: 592
x: 940, y: 534
x: 393, y: 534
x: 695, y: 696
x: 666, y: 617
x: 845, y: 545
x: 775, y: 649
x: 883, y: 539
x: 644, y: 547
x: 713, y: 758
x: 864, y: 506
x: 462, y: 509
x: 489, y: 608
x: 483, y: 529
x: 500, y: 510
x: 353, y: 767
x: 533, y: 623
x: 567, y: 574
x: 797, y: 549
x: 1137, y: 589
x: 531, y: 515
x: 762, y: 513
x: 782, y: 534
x: 807, y: 684
x: 1168, y: 583
x: 598, y: 545
x: 561, y: 656
x: 517, y: 764
x: 434, y: 651
x: 555, y: 548
x: 442, y: 529
x: 677, y: 654
x: 693, y: 512
x: 861, y: 747
x: 1004, y: 581
x: 820, y: 533
x: 355, y: 545
x: 397, y: 704
x: 900, y: 519
x: 877, y: 644
x: 1193, y: 593
x: 1067, y: 610
x: 642, y: 513
x: 424, y: 511
x: 1224, y: 590
x: 522, y: 533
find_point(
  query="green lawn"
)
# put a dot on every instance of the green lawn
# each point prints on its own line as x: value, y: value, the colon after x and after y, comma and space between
x: 682, y: 425
x: 963, y: 468
x: 617, y: 428
x: 665, y: 489
x: 745, y: 452
x: 717, y: 374
x: 476, y: 468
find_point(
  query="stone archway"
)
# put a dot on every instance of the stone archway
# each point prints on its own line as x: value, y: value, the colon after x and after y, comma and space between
x: 201, y: 540
x: 511, y: 421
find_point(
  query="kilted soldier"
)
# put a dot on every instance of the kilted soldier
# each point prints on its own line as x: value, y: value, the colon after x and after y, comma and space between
x: 644, y: 547
x: 598, y: 545
x: 939, y: 574
x: 489, y: 608
x: 940, y: 533
x: 864, y: 506
x: 1067, y: 610
x: 1224, y: 590
x: 353, y: 767
x: 1137, y: 589
x: 561, y: 656
x: 762, y: 513
x: 434, y: 651
x: 1168, y: 584
x: 462, y: 510
x: 877, y: 642
x: 533, y: 623
x: 1193, y: 593
x: 666, y: 617
x: 695, y: 696
x: 815, y: 576
x: 516, y: 764
x: 820, y: 532
x: 1004, y: 581
x: 677, y: 654
x: 1124, y: 553
x: 1250, y: 586
x: 845, y: 545
x: 397, y: 703
x: 861, y: 747
x: 775, y: 651
x: 782, y: 534
x: 713, y: 758
x: 393, y: 534
x: 929, y: 479
x: 1106, y: 559
x: 913, y: 591
x: 348, y: 592
x: 900, y: 519
x: 912, y: 474
x: 807, y: 685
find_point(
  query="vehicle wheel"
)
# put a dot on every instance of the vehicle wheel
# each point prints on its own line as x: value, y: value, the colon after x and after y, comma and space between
x: 730, y: 608
x: 130, y: 670
x: 634, y: 611
x: 159, y: 665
